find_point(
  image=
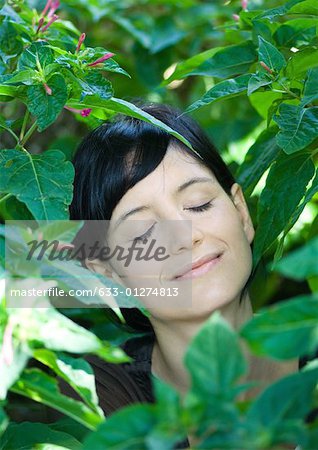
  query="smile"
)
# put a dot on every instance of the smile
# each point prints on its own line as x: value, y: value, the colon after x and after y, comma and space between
x: 200, y: 270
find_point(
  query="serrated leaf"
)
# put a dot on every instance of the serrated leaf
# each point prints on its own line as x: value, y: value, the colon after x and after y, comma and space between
x: 47, y: 107
x: 270, y: 55
x: 43, y: 182
x: 285, y: 186
x: 298, y: 127
x: 286, y: 330
x: 225, y: 89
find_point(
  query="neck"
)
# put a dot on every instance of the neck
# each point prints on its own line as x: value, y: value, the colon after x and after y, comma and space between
x: 167, y: 359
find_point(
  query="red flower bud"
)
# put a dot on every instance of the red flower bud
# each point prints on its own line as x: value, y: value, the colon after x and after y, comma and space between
x: 80, y: 42
x: 101, y: 59
x: 83, y: 112
x: 53, y: 7
x: 47, y: 88
x: 265, y: 66
x: 236, y: 17
x: 244, y: 4
x: 53, y: 19
x: 47, y: 6
x: 40, y: 24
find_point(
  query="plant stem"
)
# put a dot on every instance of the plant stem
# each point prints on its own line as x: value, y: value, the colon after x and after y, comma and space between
x: 5, y: 197
x: 24, y: 124
x: 28, y: 134
x: 12, y: 133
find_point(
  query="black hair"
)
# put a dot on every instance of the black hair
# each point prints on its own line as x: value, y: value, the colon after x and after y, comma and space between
x: 119, y: 153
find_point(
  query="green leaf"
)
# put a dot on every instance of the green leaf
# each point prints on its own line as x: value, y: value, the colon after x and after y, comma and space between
x: 278, y: 11
x: 298, y: 127
x: 302, y: 61
x: 43, y: 182
x: 290, y: 267
x: 76, y: 372
x: 285, y: 186
x: 228, y: 61
x: 296, y: 33
x: 10, y: 372
x: 270, y: 55
x: 311, y: 87
x: 295, y: 394
x: 95, y: 84
x: 28, y: 436
x: 122, y: 106
x: 10, y: 41
x: 165, y: 34
x: 187, y: 66
x: 42, y: 388
x: 24, y: 76
x: 286, y: 330
x: 47, y: 107
x: 125, y: 429
x: 37, y: 54
x: 257, y: 160
x: 257, y: 81
x: 305, y: 7
x: 225, y: 89
x: 3, y: 422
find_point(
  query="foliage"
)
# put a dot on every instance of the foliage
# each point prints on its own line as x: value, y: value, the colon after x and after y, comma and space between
x: 252, y: 62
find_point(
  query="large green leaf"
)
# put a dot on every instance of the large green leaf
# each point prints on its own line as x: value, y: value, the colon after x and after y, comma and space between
x: 37, y: 54
x: 28, y: 436
x: 286, y: 330
x: 225, y: 89
x: 257, y: 160
x: 269, y: 54
x: 75, y: 371
x: 228, y: 61
x: 285, y: 186
x: 47, y: 107
x: 278, y: 11
x: 43, y: 182
x: 122, y: 106
x: 39, y: 386
x: 94, y: 83
x: 303, y: 60
x: 311, y: 87
x: 308, y: 255
x: 11, y: 370
x: 126, y: 429
x: 305, y: 7
x: 298, y: 127
x: 295, y: 394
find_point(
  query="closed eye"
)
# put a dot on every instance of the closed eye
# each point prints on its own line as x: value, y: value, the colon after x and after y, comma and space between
x: 201, y: 208
x: 145, y: 235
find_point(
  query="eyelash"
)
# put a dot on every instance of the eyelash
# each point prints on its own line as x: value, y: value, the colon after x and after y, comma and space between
x: 198, y: 209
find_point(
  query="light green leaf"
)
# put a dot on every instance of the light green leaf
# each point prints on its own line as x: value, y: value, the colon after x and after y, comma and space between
x: 224, y: 89
x: 42, y: 388
x: 43, y: 182
x: 298, y: 127
x: 305, y: 7
x: 30, y: 435
x: 257, y: 160
x: 308, y: 255
x: 285, y: 186
x: 10, y: 371
x: 301, y: 62
x: 257, y: 81
x: 37, y: 54
x: 76, y: 372
x: 278, y: 11
x: 286, y: 330
x: 269, y: 54
x: 24, y: 76
x: 47, y: 107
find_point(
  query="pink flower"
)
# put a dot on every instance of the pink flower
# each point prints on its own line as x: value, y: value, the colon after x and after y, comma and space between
x: 244, y: 4
x: 265, y: 66
x: 7, y: 345
x: 101, y: 59
x: 47, y: 88
x: 53, y: 19
x: 83, y: 112
x: 80, y: 42
x: 236, y: 17
x: 47, y: 6
x: 53, y: 7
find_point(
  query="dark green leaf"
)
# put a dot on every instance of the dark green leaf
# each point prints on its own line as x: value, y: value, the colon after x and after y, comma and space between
x: 257, y: 81
x: 298, y: 127
x: 311, y: 87
x: 47, y: 107
x: 286, y: 330
x: 285, y: 186
x: 42, y: 182
x: 269, y: 54
x: 95, y: 84
x: 37, y: 54
x: 257, y: 160
x: 165, y: 34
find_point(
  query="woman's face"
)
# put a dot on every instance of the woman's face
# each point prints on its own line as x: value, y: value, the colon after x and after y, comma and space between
x: 186, y: 211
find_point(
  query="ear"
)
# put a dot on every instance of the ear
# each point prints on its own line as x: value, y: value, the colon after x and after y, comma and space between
x: 241, y: 206
x: 98, y: 266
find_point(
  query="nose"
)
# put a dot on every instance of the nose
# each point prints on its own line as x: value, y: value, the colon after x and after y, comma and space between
x: 185, y: 235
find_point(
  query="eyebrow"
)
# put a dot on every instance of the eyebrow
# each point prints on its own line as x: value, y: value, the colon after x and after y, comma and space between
x: 179, y: 189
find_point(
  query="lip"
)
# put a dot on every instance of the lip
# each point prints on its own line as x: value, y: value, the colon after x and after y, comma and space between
x: 198, y: 267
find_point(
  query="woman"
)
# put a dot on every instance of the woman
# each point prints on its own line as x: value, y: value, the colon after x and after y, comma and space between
x: 138, y: 177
